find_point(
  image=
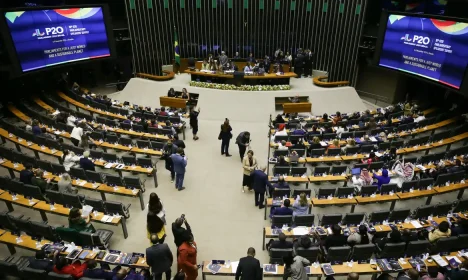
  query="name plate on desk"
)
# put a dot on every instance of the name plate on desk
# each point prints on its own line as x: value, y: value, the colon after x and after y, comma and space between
x: 336, y: 262
x: 363, y: 261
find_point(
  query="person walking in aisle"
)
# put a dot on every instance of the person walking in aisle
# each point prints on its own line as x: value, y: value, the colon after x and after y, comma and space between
x: 194, y: 122
x: 249, y: 267
x: 168, y: 150
x: 259, y: 184
x: 225, y: 136
x: 159, y: 258
x: 249, y: 164
x: 243, y: 140
x: 187, y: 260
x: 180, y: 163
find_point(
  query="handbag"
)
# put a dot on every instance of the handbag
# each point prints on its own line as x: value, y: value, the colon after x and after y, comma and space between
x: 219, y: 136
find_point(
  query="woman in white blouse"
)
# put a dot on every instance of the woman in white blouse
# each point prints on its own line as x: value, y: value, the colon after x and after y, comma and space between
x: 69, y: 159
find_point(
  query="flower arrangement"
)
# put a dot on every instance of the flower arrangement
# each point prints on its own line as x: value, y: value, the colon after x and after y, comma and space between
x: 242, y: 87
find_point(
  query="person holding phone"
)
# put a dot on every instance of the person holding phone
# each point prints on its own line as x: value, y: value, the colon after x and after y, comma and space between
x: 179, y: 232
x: 187, y: 259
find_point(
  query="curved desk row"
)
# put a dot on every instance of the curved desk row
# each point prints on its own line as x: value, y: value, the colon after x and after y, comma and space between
x: 169, y: 76
x: 267, y: 79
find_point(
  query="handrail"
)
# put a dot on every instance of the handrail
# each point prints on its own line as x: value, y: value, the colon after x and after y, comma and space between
x: 170, y: 75
x: 374, y: 96
x: 318, y: 81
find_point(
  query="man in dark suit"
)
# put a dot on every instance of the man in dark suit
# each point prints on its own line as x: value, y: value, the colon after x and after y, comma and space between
x: 260, y: 183
x: 159, y: 258
x: 308, y: 60
x: 179, y: 163
x: 249, y: 267
x: 103, y: 272
x: 40, y: 262
x: 284, y: 210
x: 299, y: 63
x: 279, y: 244
x: 86, y: 163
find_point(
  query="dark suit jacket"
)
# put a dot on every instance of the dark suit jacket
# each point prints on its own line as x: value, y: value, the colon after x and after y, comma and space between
x: 278, y: 244
x: 260, y: 181
x: 159, y: 258
x: 46, y: 265
x: 335, y: 241
x: 249, y: 269
x: 98, y: 273
x: 26, y: 176
x: 282, y: 211
x: 87, y: 164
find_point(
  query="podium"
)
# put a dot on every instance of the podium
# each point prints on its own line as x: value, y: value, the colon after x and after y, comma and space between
x: 302, y: 107
x: 173, y: 102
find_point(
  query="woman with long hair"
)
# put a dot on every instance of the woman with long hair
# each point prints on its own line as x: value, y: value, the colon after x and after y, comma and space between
x: 69, y: 159
x: 78, y: 223
x: 294, y: 267
x: 65, y: 184
x: 155, y: 225
x: 185, y: 94
x: 362, y: 236
x: 225, y: 136
x: 155, y: 205
x: 301, y: 205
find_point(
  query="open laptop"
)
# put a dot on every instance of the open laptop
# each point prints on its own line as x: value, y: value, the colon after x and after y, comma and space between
x: 355, y: 171
x: 293, y: 158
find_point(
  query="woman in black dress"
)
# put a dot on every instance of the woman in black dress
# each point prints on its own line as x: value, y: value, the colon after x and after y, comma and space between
x: 225, y: 136
x: 194, y: 122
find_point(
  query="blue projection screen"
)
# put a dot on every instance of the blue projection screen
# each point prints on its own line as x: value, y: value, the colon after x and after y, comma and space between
x: 44, y: 38
x: 431, y: 48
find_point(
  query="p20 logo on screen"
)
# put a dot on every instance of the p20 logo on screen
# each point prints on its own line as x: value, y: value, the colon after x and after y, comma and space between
x: 49, y: 31
x: 416, y: 39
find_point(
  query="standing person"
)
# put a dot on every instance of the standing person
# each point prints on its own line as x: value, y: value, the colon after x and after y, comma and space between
x: 295, y: 267
x: 179, y: 232
x: 308, y: 63
x: 249, y: 164
x: 243, y: 140
x: 187, y: 260
x: 259, y: 184
x: 168, y: 150
x: 249, y: 267
x: 194, y: 122
x: 155, y: 205
x: 159, y: 258
x: 225, y: 136
x: 154, y: 225
x: 77, y: 133
x: 180, y: 163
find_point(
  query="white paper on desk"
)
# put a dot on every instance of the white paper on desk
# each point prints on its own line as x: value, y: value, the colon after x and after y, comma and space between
x: 421, y: 167
x: 108, y: 165
x: 329, y: 231
x: 82, y: 183
x: 324, y: 144
x: 234, y: 266
x: 416, y: 224
x: 439, y: 260
x: 170, y: 113
x: 107, y: 219
x: 300, y: 231
x: 372, y: 138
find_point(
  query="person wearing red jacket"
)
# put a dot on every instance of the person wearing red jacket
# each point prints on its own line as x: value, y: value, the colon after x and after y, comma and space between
x: 75, y: 269
x: 187, y: 260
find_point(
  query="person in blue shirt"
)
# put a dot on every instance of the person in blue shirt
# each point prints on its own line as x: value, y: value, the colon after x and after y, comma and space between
x: 284, y: 210
x: 259, y: 184
x: 26, y: 174
x: 86, y: 163
x: 36, y: 129
x: 248, y: 68
x: 381, y: 180
x: 179, y: 163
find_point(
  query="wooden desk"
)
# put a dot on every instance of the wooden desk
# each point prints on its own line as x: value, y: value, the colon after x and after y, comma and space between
x: 297, y: 107
x: 291, y: 179
x: 328, y: 178
x: 335, y: 201
x: 322, y: 159
x: 18, y: 200
x: 43, y: 104
x: 268, y: 233
x: 451, y: 188
x: 173, y: 102
x: 104, y: 188
x: 43, y: 207
x: 88, y: 108
x: 27, y: 242
x: 222, y: 78
x: 418, y: 194
x: 378, y: 198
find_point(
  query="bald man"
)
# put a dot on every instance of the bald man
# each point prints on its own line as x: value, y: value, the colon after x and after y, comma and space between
x: 353, y: 276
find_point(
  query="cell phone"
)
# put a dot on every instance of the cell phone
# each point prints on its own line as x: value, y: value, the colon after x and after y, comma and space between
x: 199, y: 265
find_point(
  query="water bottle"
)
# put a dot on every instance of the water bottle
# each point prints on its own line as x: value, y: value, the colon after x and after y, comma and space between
x: 228, y: 264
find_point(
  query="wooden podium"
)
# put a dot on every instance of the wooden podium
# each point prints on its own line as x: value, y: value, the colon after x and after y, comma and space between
x: 172, y: 102
x: 302, y: 107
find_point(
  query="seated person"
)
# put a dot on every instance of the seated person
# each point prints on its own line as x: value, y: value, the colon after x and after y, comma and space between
x: 350, y: 143
x: 131, y: 274
x: 86, y: 163
x: 75, y: 269
x: 315, y: 144
x: 362, y: 236
x: 282, y: 161
x: 336, y: 238
x: 392, y: 237
x: 334, y: 144
x: 366, y: 141
x: 279, y: 119
x: 284, y: 210
x: 314, y: 131
x: 383, y: 179
x: 41, y: 262
x: 457, y: 167
x: 460, y: 273
x: 163, y: 112
x: 279, y: 244
x: 364, y: 179
x: 299, y: 131
x: 370, y: 159
x: 103, y: 272
x: 248, y: 68
x: 281, y: 130
x: 301, y: 205
x: 26, y: 174
x: 410, y: 274
x: 303, y: 241
x: 432, y: 273
x: 205, y: 65
x: 371, y: 124
x: 79, y: 223
x: 441, y: 232
x: 38, y: 181
x: 337, y: 118
x: 324, y: 118
x: 282, y: 146
x: 281, y: 184
x: 171, y: 92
